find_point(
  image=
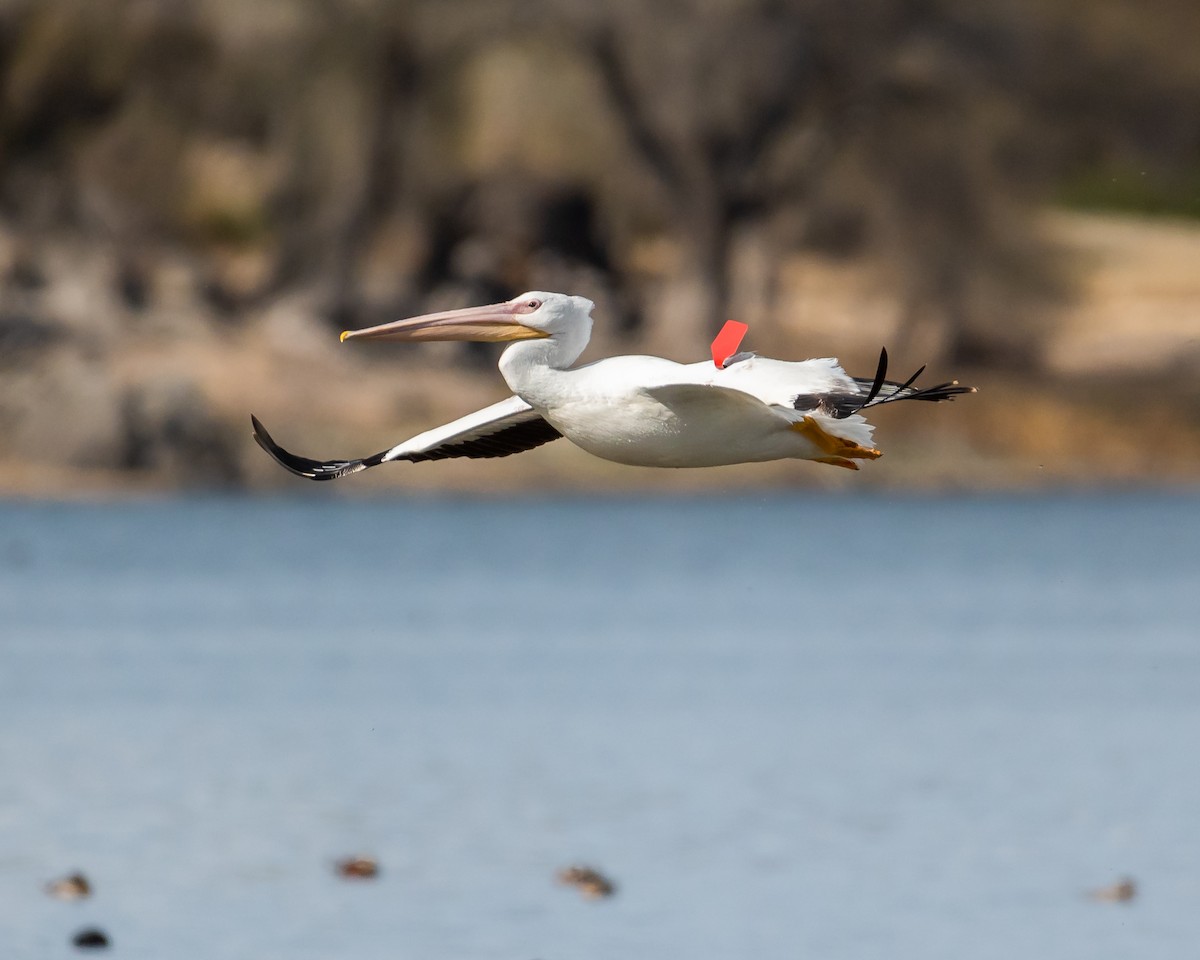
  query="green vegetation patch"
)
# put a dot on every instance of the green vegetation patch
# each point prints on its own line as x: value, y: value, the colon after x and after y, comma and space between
x: 1130, y: 190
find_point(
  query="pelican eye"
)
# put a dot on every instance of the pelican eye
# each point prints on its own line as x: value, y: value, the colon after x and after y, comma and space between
x: 529, y: 306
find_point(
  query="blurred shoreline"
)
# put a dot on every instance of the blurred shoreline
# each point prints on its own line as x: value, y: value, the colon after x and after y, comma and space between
x: 1114, y: 403
x: 196, y: 198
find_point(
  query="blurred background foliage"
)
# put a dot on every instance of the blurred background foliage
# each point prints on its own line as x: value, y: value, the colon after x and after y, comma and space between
x: 194, y: 196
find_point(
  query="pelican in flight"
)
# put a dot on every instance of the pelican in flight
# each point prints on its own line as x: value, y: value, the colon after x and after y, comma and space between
x: 642, y: 411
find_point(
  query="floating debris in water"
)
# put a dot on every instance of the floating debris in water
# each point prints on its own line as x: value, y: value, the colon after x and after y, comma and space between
x: 358, y: 868
x: 590, y: 882
x: 90, y: 938
x: 72, y: 887
x: 1122, y: 891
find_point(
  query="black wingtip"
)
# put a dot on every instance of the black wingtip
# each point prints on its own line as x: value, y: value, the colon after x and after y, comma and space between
x: 910, y: 381
x: 943, y: 391
x: 880, y: 376
x: 303, y: 466
x: 906, y: 390
x: 264, y: 440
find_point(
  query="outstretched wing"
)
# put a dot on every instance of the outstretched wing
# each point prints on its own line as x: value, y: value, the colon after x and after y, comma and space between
x: 508, y: 427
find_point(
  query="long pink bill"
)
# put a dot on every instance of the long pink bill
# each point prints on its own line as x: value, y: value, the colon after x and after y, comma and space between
x: 496, y: 322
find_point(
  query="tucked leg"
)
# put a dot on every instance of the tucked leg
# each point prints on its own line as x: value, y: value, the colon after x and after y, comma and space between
x: 838, y: 462
x: 836, y: 447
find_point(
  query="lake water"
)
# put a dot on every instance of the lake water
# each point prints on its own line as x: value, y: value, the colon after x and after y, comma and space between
x: 786, y: 727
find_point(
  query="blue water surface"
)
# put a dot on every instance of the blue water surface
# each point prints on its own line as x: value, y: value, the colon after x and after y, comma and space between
x: 802, y: 726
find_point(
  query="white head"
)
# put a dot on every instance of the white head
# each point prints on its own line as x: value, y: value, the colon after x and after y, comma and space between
x: 558, y: 315
x: 536, y: 315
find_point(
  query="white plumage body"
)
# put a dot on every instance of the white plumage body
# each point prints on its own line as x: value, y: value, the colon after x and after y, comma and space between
x: 651, y: 412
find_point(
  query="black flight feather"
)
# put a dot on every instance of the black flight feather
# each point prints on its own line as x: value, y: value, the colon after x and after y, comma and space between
x: 841, y: 404
x: 517, y: 438
x: 880, y: 374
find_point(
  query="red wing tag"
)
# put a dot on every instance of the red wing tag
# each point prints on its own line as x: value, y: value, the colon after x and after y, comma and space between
x: 728, y: 341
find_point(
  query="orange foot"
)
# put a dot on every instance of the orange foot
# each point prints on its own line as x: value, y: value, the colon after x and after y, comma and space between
x: 838, y: 448
x: 838, y: 462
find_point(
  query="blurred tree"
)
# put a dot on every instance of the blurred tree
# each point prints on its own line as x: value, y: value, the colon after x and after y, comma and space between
x: 928, y: 132
x: 924, y: 102
x: 715, y: 100
x: 360, y: 73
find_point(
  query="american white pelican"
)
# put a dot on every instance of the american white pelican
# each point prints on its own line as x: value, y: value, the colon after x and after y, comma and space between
x: 643, y: 411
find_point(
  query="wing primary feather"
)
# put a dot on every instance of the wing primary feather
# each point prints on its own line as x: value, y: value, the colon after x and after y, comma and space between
x: 898, y: 389
x: 910, y: 381
x: 880, y: 376
x: 306, y: 467
x: 943, y: 391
